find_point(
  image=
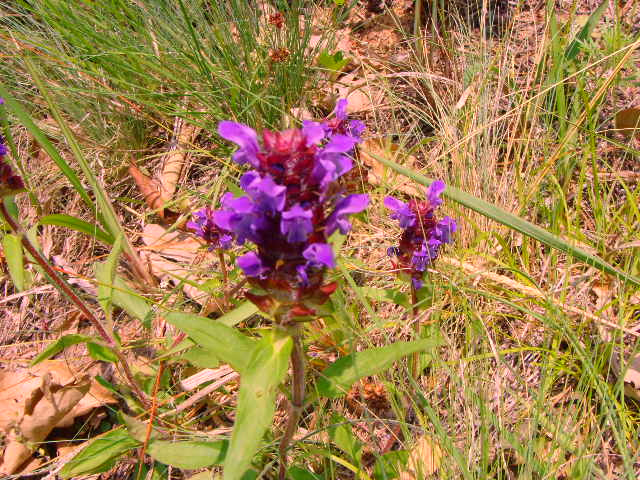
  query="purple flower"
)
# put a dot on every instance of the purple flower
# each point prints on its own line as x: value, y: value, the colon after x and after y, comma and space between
x: 204, y: 227
x: 347, y: 206
x: 423, y: 234
x: 292, y: 205
x: 243, y: 136
x: 296, y: 224
x: 434, y: 191
x: 401, y: 212
x: 314, y: 132
x: 251, y: 264
x: 10, y: 184
x: 267, y: 196
x: 319, y: 255
x: 340, y: 111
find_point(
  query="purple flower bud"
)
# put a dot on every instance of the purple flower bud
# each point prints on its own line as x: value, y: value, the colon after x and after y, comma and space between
x: 3, y: 148
x: 296, y: 224
x: 401, y: 212
x: 417, y: 283
x: 251, y: 264
x: 347, y: 206
x: 243, y: 136
x: 393, y: 252
x: 434, y: 191
x: 319, y: 255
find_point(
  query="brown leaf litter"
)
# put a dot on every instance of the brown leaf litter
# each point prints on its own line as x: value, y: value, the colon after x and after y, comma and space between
x: 37, y: 400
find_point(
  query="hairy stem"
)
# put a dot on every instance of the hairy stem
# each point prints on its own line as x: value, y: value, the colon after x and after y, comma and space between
x: 225, y: 277
x: 415, y: 363
x: 66, y: 289
x: 297, y: 399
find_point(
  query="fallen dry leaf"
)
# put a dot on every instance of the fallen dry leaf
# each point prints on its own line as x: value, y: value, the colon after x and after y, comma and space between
x: 424, y: 459
x: 628, y: 121
x: 174, y: 159
x: 37, y: 400
x: 151, y: 190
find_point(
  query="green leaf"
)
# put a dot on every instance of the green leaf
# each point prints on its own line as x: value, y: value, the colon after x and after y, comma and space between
x: 73, y: 223
x: 106, y: 274
x: 585, y: 32
x: 335, y: 62
x: 101, y: 352
x: 297, y: 473
x: 100, y: 455
x: 512, y: 221
x: 389, y: 295
x: 13, y: 253
x: 341, y: 434
x: 389, y: 464
x: 201, y: 357
x: 131, y: 302
x: 59, y: 345
x: 336, y: 379
x: 225, y: 343
x: 138, y: 429
x: 264, y: 372
x: 189, y: 454
x: 239, y: 314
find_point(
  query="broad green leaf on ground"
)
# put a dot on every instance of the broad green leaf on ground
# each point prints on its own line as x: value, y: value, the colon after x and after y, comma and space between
x: 106, y: 274
x: 225, y: 343
x: 59, y: 345
x: 342, y: 436
x: 514, y: 222
x: 12, y: 248
x: 201, y: 357
x: 336, y: 379
x: 189, y: 454
x: 100, y: 455
x: 585, y: 32
x: 73, y: 223
x: 138, y: 429
x: 264, y: 372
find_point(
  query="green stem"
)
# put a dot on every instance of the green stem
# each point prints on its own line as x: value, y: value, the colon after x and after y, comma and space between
x: 415, y: 364
x: 297, y: 399
x: 66, y: 289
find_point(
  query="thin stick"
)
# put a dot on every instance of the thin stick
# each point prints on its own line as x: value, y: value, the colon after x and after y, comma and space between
x: 297, y: 400
x: 152, y: 414
x: 65, y: 288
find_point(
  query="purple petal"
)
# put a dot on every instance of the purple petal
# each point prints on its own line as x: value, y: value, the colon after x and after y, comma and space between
x: 319, y: 254
x: 347, y: 206
x: 329, y: 167
x: 444, y: 229
x: 248, y: 178
x: 296, y: 224
x: 243, y: 136
x: 302, y: 275
x: 226, y: 241
x: 314, y: 132
x: 340, y: 144
x: 401, y: 212
x: 356, y: 127
x: 417, y: 283
x: 267, y: 194
x: 434, y: 191
x: 341, y: 109
x: 393, y: 251
x: 251, y: 264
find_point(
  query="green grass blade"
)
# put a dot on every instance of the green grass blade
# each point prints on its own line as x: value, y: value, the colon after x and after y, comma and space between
x: 45, y: 143
x: 574, y: 47
x: 68, y: 221
x: 514, y: 222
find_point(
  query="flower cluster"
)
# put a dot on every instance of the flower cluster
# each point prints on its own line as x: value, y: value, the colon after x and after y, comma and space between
x: 292, y: 205
x: 10, y: 184
x: 423, y: 233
